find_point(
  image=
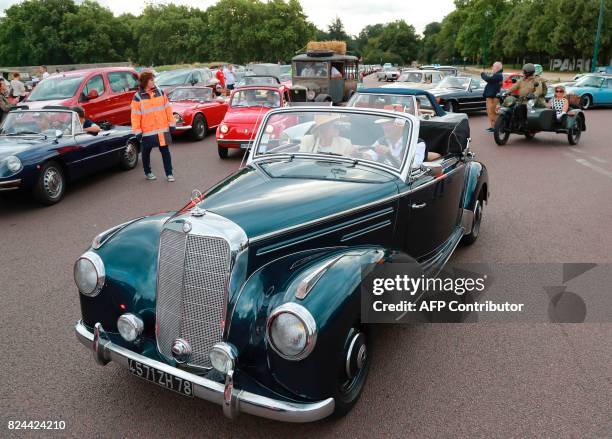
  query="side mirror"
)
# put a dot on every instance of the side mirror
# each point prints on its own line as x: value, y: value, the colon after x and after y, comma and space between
x: 93, y: 94
x: 513, y: 80
x: 58, y: 134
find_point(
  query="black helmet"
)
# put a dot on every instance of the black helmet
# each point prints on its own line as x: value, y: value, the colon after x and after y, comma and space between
x: 528, y: 69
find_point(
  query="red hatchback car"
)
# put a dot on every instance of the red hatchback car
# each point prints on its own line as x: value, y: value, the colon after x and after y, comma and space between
x: 196, y: 110
x: 104, y: 93
x: 248, y: 105
x: 509, y: 80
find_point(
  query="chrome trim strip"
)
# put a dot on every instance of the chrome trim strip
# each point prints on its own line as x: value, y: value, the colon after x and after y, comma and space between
x: 366, y: 230
x: 10, y: 185
x: 182, y: 128
x: 209, y: 390
x: 309, y: 282
x: 98, y: 155
x: 326, y: 218
x: 331, y: 229
x: 234, y: 140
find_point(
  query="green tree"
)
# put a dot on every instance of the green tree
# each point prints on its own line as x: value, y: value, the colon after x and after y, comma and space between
x: 401, y: 39
x: 30, y: 32
x: 335, y: 30
x: 429, y: 46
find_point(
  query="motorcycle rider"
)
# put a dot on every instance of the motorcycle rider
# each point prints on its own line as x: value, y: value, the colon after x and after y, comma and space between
x: 529, y: 87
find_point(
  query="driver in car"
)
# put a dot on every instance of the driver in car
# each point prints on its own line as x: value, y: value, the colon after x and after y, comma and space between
x: 88, y: 125
x: 272, y: 99
x: 390, y: 147
x: 325, y: 137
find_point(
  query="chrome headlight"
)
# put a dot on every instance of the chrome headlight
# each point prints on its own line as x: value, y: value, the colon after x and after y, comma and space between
x: 310, y: 94
x: 89, y: 274
x: 13, y: 164
x: 224, y: 129
x: 177, y: 118
x: 130, y: 326
x: 291, y: 331
x: 223, y: 357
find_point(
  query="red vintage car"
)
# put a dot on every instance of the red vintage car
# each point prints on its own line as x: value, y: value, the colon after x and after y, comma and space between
x: 104, y: 93
x: 196, y: 110
x: 247, y: 107
x: 509, y: 79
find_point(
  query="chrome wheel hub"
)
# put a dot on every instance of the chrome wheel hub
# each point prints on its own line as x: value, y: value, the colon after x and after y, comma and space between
x: 52, y: 181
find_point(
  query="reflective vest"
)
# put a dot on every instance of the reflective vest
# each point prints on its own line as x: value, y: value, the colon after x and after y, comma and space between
x: 152, y: 115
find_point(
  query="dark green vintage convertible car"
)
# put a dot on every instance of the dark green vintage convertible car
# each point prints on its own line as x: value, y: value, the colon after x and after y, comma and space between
x: 249, y: 296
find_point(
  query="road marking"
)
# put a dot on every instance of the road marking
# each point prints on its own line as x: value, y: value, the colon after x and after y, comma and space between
x: 597, y: 159
x: 594, y: 167
x: 576, y: 150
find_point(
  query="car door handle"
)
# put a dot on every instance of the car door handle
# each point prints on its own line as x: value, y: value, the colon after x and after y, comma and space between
x: 418, y: 206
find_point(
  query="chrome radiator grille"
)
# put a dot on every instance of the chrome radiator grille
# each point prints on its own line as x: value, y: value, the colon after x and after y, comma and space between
x: 191, y: 288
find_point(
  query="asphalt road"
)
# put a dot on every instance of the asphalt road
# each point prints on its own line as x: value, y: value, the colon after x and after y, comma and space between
x: 549, y: 203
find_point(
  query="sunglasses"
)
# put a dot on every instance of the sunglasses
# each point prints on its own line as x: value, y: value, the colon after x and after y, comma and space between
x: 558, y: 91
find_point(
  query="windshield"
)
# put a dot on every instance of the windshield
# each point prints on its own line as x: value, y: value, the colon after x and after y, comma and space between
x: 255, y: 98
x: 310, y: 69
x: 454, y: 82
x: 173, y: 77
x: 32, y: 123
x: 410, y: 77
x: 402, y: 103
x: 191, y: 93
x: 363, y: 137
x: 259, y: 80
x: 56, y: 88
x: 589, y: 81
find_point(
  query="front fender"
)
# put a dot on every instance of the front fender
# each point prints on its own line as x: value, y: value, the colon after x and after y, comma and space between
x: 476, y: 179
x: 127, y: 290
x: 333, y: 301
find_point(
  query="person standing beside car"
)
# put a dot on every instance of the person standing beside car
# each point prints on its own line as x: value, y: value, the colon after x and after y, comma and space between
x: 18, y: 90
x: 5, y: 105
x: 494, y: 83
x: 220, y: 77
x: 152, y: 120
x: 230, y: 79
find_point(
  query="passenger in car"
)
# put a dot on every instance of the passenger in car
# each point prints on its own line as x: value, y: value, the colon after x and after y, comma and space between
x: 325, y: 137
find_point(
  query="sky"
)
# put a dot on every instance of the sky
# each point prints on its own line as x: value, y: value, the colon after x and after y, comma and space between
x: 355, y: 14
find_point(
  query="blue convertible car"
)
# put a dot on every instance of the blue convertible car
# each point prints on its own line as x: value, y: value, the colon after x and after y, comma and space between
x: 249, y: 296
x: 593, y: 90
x: 42, y: 150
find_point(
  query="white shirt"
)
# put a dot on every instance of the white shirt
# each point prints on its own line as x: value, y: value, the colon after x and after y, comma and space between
x: 45, y: 75
x: 18, y: 88
x: 229, y: 76
x: 335, y: 72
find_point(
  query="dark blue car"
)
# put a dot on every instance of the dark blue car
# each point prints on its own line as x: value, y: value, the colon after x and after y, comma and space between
x: 43, y: 150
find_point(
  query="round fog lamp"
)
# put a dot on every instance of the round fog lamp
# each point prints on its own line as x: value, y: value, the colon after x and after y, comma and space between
x: 223, y: 357
x: 224, y: 129
x: 130, y: 326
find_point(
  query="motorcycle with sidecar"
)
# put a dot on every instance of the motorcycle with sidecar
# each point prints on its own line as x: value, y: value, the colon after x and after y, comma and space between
x: 514, y: 117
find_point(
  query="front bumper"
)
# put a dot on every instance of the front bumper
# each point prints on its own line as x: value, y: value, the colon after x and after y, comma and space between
x: 10, y: 185
x: 231, y: 399
x: 235, y: 143
x: 180, y: 128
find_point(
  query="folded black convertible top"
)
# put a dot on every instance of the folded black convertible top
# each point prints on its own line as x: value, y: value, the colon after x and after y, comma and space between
x: 445, y: 137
